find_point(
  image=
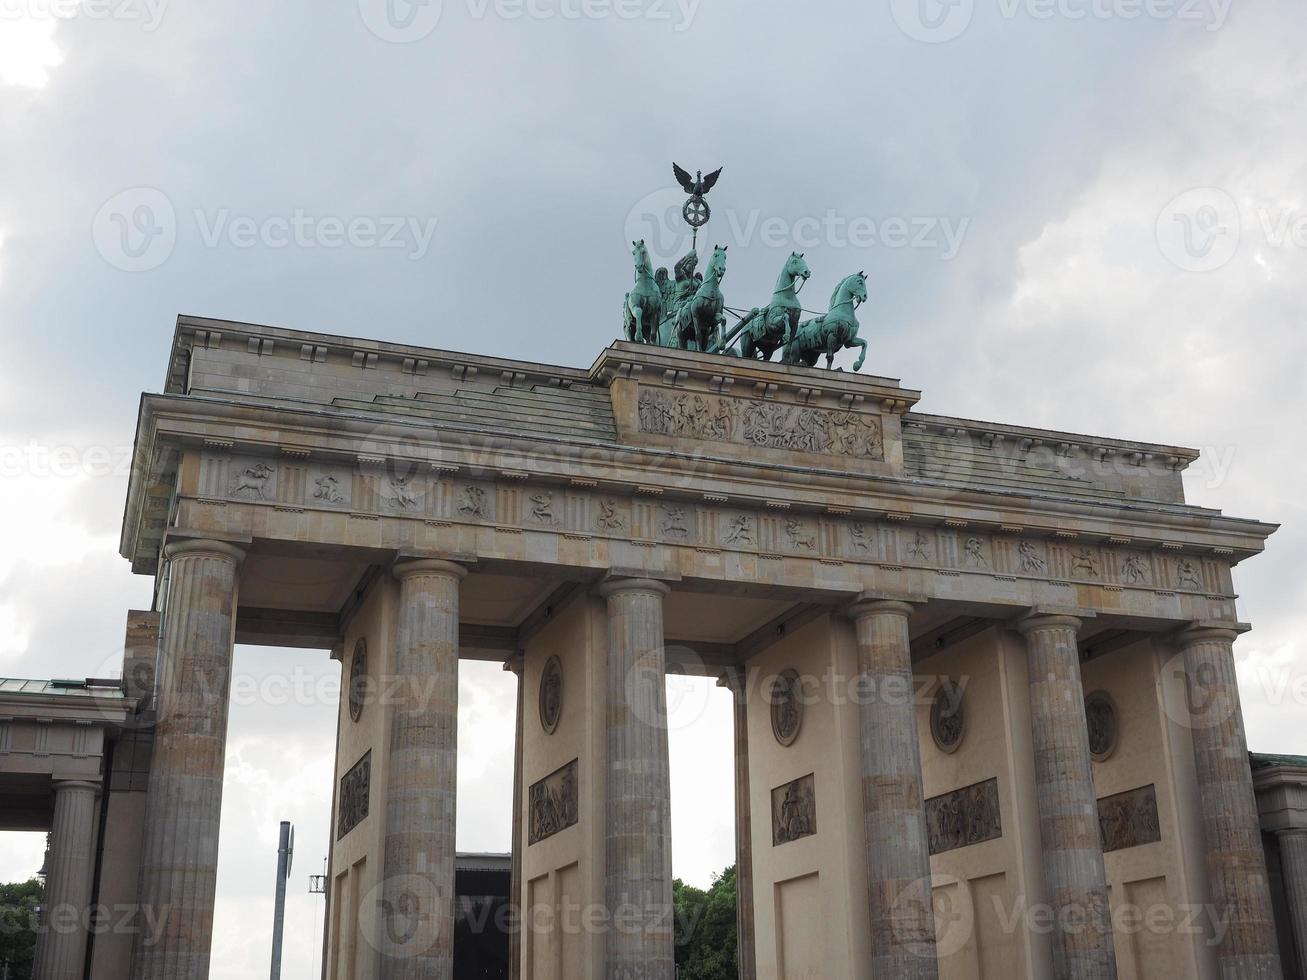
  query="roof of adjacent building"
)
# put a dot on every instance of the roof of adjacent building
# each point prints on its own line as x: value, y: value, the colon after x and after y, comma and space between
x: 1261, y: 760
x: 89, y: 687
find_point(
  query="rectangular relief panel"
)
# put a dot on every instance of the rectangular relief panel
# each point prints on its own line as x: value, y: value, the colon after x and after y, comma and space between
x: 1129, y: 819
x: 354, y: 791
x: 553, y: 803
x: 966, y: 816
x: 794, y: 810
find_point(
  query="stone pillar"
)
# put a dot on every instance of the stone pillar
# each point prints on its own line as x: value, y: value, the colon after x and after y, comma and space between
x: 1236, y: 864
x: 746, y: 953
x: 1074, y: 875
x: 416, y: 914
x: 179, y: 846
x: 68, y: 881
x: 515, y: 877
x: 1293, y: 863
x: 894, y: 809
x: 638, y: 845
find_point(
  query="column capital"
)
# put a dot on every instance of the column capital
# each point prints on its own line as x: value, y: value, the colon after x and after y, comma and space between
x: 626, y: 586
x: 733, y: 679
x: 1039, y: 619
x: 437, y: 567
x: 187, y: 547
x: 867, y: 605
x: 1205, y: 631
x: 76, y: 783
x: 514, y: 665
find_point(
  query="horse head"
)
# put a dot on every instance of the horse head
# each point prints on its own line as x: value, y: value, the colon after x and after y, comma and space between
x: 853, y: 290
x: 716, y: 270
x: 640, y: 253
x: 795, y: 269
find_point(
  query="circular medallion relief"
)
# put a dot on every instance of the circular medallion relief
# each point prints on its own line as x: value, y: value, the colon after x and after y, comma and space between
x: 358, y: 679
x: 1104, y: 726
x: 948, y: 718
x: 551, y: 695
x: 786, y: 707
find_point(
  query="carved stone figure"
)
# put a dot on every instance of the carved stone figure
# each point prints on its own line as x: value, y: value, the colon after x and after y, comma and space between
x: 799, y: 536
x: 551, y: 695
x: 542, y: 505
x: 1187, y: 575
x: 252, y: 482
x: 966, y: 816
x: 553, y: 804
x: 400, y: 494
x: 794, y: 810
x: 786, y: 707
x: 1129, y: 819
x: 834, y: 331
x: 674, y: 524
x: 1085, y: 561
x: 327, y: 488
x: 858, y: 534
x: 355, y: 787
x: 473, y: 503
x: 1101, y: 719
x: 920, y: 547
x: 608, y: 517
x: 1134, y: 570
x: 740, y: 530
x: 948, y: 717
x: 1031, y: 559
x: 358, y: 680
x: 974, y: 549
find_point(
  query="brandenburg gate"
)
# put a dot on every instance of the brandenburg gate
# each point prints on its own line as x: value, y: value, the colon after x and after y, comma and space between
x: 983, y: 675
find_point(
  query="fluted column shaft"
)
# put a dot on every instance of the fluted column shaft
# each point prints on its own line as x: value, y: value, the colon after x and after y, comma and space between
x: 515, y: 875
x: 1293, y: 863
x: 1074, y: 874
x: 68, y: 882
x: 179, y: 855
x: 417, y: 891
x: 1236, y: 864
x: 745, y: 953
x: 638, y: 846
x: 894, y: 808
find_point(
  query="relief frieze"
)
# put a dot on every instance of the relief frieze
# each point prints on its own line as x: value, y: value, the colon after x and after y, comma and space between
x: 354, y: 792
x: 966, y: 816
x: 794, y: 810
x: 553, y: 804
x: 768, y: 425
x: 1129, y: 819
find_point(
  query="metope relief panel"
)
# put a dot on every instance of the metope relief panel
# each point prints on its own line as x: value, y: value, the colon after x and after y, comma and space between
x: 542, y: 508
x: 251, y: 479
x: 553, y: 804
x: 355, y: 786
x: 610, y: 515
x: 403, y: 491
x: 794, y: 810
x: 676, y: 523
x: 861, y: 540
x: 765, y: 425
x: 474, y: 502
x: 975, y: 553
x: 328, y: 487
x: 1129, y: 819
x: 966, y: 816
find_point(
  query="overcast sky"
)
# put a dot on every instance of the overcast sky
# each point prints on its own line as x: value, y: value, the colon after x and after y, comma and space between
x: 1079, y: 214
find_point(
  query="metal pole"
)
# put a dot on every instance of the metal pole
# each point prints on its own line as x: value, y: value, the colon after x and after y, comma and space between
x: 284, y: 849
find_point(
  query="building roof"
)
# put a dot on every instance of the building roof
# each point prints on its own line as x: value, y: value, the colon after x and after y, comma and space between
x: 89, y: 687
x: 1262, y: 760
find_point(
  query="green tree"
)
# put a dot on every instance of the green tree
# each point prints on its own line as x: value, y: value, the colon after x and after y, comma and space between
x: 705, y: 929
x: 18, y: 920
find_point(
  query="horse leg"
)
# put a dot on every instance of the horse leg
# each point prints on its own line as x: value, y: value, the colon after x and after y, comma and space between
x: 861, y: 357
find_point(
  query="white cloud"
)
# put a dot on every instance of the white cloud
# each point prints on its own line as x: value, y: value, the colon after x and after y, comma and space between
x: 27, y: 49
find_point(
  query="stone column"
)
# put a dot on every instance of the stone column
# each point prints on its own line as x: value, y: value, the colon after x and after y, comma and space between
x: 179, y: 847
x: 1293, y: 863
x: 416, y: 914
x: 1236, y: 864
x: 746, y: 954
x: 68, y: 881
x: 894, y: 810
x: 638, y: 845
x: 515, y: 877
x: 1074, y: 875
